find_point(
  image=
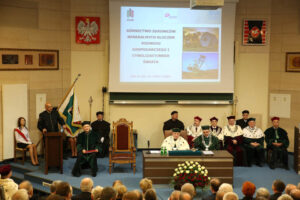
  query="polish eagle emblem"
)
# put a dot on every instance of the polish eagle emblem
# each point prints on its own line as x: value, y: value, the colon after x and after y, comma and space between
x: 87, y: 31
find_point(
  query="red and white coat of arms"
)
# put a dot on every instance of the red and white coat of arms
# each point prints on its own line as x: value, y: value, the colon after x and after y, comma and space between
x: 87, y: 30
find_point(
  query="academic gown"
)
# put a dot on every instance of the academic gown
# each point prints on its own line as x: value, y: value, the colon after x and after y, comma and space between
x: 86, y: 141
x: 170, y: 124
x: 50, y: 121
x: 242, y: 123
x: 180, y: 144
x: 193, y: 132
x: 277, y: 152
x: 254, y: 153
x: 236, y: 150
x: 217, y: 131
x: 102, y: 128
x: 214, y: 142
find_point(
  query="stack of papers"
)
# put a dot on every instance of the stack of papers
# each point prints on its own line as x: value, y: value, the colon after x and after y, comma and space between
x: 208, y: 153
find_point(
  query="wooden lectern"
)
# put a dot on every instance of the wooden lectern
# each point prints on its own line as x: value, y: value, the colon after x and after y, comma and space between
x: 297, y: 150
x: 53, y: 151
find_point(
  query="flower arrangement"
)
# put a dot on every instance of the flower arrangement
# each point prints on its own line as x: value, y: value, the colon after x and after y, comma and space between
x: 190, y: 172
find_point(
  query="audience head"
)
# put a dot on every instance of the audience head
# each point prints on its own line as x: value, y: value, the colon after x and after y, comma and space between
x: 220, y: 195
x: 215, y: 184
x: 5, y: 171
x: 116, y: 183
x: 248, y: 189
x: 131, y: 195
x: 100, y: 115
x: 189, y: 188
x: 285, y: 197
x: 275, y: 121
x: 96, y: 192
x: 295, y: 193
x: 21, y: 194
x: 230, y: 196
x: 245, y: 114
x: 225, y: 187
x: 55, y: 197
x: 175, y: 195
x: 150, y: 195
x: 146, y: 184
x: 289, y: 188
x: 185, y: 196
x: 139, y: 194
x: 108, y: 193
x: 197, y: 120
x: 28, y: 187
x: 121, y: 190
x: 263, y: 192
x: 86, y: 185
x: 174, y: 115
x: 48, y: 107
x: 278, y: 186
x: 64, y: 189
x: 231, y: 120
x: 53, y: 186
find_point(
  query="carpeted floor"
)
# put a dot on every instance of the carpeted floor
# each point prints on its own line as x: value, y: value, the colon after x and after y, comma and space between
x: 261, y: 176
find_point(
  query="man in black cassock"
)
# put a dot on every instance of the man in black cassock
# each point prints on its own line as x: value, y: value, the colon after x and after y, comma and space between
x: 243, y: 123
x: 277, y: 140
x: 174, y: 122
x: 102, y: 128
x: 87, y: 149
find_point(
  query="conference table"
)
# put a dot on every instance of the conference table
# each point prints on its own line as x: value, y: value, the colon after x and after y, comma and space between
x: 160, y: 168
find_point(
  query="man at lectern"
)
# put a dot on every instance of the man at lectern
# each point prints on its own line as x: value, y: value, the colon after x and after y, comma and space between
x: 207, y: 141
x: 87, y: 148
x: 175, y: 141
x: 174, y: 122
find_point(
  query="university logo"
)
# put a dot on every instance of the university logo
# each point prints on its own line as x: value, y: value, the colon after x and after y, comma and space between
x: 130, y: 13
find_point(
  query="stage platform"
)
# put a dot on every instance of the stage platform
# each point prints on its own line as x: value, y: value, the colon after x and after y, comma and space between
x: 261, y: 176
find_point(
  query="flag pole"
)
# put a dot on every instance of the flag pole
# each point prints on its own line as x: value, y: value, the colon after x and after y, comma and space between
x: 90, y: 102
x: 76, y: 79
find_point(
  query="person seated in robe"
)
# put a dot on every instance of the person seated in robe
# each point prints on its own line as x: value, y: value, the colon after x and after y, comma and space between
x: 87, y: 149
x: 23, y: 140
x: 194, y: 131
x: 102, y: 128
x: 174, y: 122
x: 175, y: 141
x: 233, y: 141
x: 254, y: 143
x: 243, y: 123
x: 277, y: 140
x: 207, y: 141
x: 216, y: 130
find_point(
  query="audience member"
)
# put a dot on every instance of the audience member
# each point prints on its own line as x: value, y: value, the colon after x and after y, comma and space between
x: 185, y: 196
x: 150, y: 195
x: 28, y: 187
x: 295, y: 193
x: 220, y: 195
x: 278, y: 187
x: 86, y: 187
x: 131, y: 195
x: 139, y: 194
x: 116, y: 183
x: 20, y: 195
x: 260, y: 198
x: 248, y: 190
x: 262, y: 192
x: 230, y: 196
x: 289, y: 188
x: 145, y: 184
x: 189, y: 188
x: 174, y: 195
x: 54, y: 185
x: 9, y: 186
x: 214, y: 187
x: 108, y: 193
x: 96, y: 192
x: 225, y: 187
x: 121, y: 190
x: 64, y: 189
x: 298, y: 186
x: 285, y: 197
x: 55, y: 197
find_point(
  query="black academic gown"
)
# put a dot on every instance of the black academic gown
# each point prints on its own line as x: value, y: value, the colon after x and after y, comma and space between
x: 277, y: 152
x: 242, y: 123
x: 254, y: 153
x: 102, y: 128
x: 87, y: 142
x: 50, y: 121
x: 170, y: 124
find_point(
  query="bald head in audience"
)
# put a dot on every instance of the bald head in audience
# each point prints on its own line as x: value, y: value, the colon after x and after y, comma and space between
x: 20, y: 195
x: 174, y: 195
x: 86, y: 185
x: 185, y: 196
x: 230, y: 196
x: 225, y: 187
x: 189, y: 188
x: 28, y: 187
x: 263, y: 192
x: 289, y: 188
x: 295, y: 193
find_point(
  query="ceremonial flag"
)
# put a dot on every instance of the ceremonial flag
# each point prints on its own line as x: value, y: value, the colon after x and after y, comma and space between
x: 69, y: 111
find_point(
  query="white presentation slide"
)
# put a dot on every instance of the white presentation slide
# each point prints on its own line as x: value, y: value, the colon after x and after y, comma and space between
x: 170, y: 49
x: 170, y: 45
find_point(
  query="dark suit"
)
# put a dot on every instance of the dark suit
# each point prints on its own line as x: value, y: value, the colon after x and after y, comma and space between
x: 210, y: 197
x: 275, y: 196
x: 242, y: 123
x: 82, y: 196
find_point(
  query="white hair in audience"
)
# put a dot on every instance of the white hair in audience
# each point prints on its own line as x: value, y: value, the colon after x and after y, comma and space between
x: 86, y: 185
x: 189, y: 188
x: 53, y: 185
x: 285, y: 197
x: 21, y: 194
x: 263, y: 192
x: 96, y: 192
x: 225, y: 187
x: 230, y: 196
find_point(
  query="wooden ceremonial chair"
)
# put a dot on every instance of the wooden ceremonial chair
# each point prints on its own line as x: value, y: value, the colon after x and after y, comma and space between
x: 122, y: 150
x: 17, y: 149
x: 183, y: 133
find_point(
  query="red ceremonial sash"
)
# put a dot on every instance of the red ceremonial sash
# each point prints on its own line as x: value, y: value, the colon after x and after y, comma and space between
x: 91, y: 151
x: 21, y: 134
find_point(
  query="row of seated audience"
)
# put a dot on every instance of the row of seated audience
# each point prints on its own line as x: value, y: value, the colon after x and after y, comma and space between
x: 242, y: 138
x: 61, y: 190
